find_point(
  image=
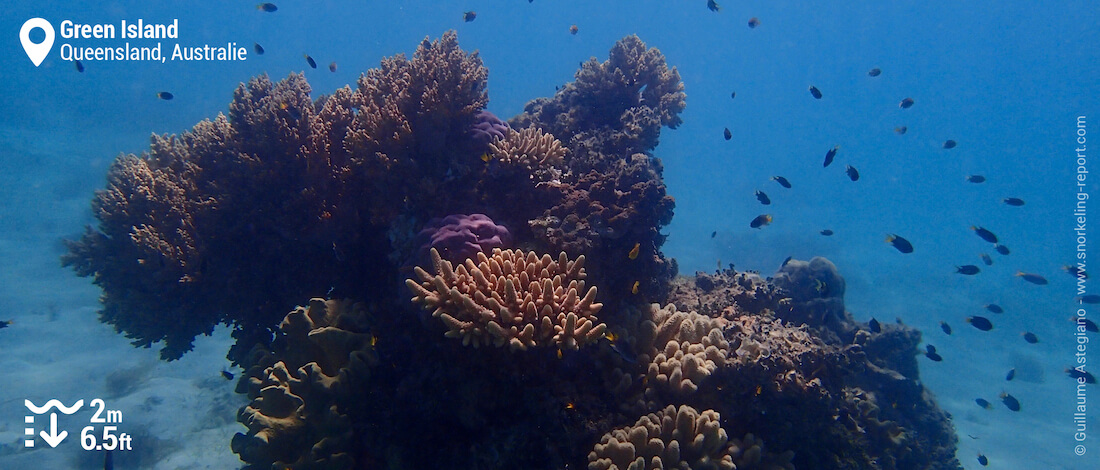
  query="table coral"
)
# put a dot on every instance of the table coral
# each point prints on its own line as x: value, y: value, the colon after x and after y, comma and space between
x: 512, y: 298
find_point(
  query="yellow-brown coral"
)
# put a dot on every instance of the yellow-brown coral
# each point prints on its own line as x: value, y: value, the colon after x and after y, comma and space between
x: 670, y: 438
x: 531, y: 149
x: 512, y: 298
x: 686, y: 348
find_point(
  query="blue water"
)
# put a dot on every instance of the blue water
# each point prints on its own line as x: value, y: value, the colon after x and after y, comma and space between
x: 1006, y: 80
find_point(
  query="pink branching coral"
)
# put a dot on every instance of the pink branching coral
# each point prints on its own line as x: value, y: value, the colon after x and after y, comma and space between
x: 512, y: 298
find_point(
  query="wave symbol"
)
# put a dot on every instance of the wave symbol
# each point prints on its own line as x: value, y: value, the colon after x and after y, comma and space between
x: 53, y: 403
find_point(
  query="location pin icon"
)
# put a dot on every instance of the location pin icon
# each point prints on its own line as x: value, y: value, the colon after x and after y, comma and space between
x: 37, y: 52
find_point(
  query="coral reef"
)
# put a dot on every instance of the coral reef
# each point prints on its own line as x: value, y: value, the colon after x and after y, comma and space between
x: 511, y: 298
x: 288, y: 198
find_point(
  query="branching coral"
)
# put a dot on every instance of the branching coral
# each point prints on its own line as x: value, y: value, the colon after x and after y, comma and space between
x: 531, y: 150
x: 614, y: 109
x: 511, y: 298
x: 411, y: 131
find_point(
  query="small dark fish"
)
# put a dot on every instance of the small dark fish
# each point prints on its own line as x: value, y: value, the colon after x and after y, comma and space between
x: 727, y: 134
x: 1075, y: 271
x: 985, y: 234
x: 1032, y: 278
x: 763, y: 198
x: 853, y: 173
x: 228, y: 375
x: 309, y: 60
x: 982, y: 402
x: 785, y: 261
x: 1001, y: 249
x: 875, y: 326
x: 987, y: 259
x: 901, y: 130
x: 1011, y: 375
x: 1080, y: 375
x: 5, y: 323
x: 713, y: 5
x: 1089, y: 299
x: 258, y: 48
x: 827, y: 232
x: 573, y: 30
x: 945, y: 327
x: 967, y: 269
x: 830, y: 155
x: 1010, y: 401
x: 1013, y: 201
x: 79, y: 66
x: 874, y: 72
x: 994, y: 308
x: 713, y: 234
x: 815, y: 92
x: 733, y: 95
x: 108, y: 461
x: 164, y: 95
x: 782, y: 181
x: 1089, y: 325
x: 982, y: 460
x: 981, y: 323
x: 906, y: 103
x: 929, y: 348
x: 901, y: 244
x: 760, y: 221
x: 469, y: 16
x: 975, y: 179
x: 950, y: 144
x: 1030, y: 337
x: 268, y: 7
x: 332, y: 67
x: 754, y: 22
x: 934, y: 356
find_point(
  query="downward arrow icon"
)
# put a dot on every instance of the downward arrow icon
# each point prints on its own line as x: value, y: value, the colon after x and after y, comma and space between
x: 53, y: 438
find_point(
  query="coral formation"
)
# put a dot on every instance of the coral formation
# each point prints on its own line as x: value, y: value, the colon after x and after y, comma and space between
x: 511, y: 298
x: 638, y: 94
x: 681, y: 438
x: 488, y: 128
x: 532, y: 151
x: 461, y: 236
x: 288, y: 198
x: 683, y: 348
x: 301, y: 390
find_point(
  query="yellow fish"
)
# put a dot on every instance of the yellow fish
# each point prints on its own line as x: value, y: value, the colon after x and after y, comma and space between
x: 485, y: 157
x: 634, y: 290
x: 634, y: 251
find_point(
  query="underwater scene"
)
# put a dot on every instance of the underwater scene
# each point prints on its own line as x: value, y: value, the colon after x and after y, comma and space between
x: 549, y: 234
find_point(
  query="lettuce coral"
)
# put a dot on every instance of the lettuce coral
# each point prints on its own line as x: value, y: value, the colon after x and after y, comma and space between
x: 511, y: 298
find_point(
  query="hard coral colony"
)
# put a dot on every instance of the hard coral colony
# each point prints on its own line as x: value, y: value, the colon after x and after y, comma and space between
x: 289, y: 197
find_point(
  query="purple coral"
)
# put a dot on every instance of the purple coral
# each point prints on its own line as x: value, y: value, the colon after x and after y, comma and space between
x: 487, y: 128
x: 461, y: 236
